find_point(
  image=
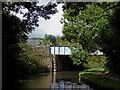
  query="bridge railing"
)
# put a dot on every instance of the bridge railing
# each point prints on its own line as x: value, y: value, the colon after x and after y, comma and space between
x: 60, y: 50
x: 64, y: 50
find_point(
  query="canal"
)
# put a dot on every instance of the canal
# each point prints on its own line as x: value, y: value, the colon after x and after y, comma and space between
x: 55, y: 81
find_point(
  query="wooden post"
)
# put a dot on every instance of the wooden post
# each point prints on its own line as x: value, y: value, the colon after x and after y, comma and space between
x: 64, y: 50
x: 54, y: 64
x: 54, y: 49
x: 58, y: 50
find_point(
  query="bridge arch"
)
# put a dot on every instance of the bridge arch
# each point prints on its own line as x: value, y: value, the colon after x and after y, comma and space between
x: 61, y: 60
x: 64, y: 63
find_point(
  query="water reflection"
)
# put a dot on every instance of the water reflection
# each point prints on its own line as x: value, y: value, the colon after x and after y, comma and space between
x: 67, y: 84
x: 43, y: 80
x: 55, y: 80
x: 67, y: 80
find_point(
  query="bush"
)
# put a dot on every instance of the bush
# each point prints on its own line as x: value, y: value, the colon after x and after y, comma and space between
x: 95, y: 62
x: 29, y: 61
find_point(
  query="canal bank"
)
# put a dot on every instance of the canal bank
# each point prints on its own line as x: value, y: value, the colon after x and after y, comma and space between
x: 98, y: 78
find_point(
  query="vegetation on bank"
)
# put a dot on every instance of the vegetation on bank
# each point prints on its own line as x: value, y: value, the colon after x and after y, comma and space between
x: 96, y: 61
x: 18, y: 58
x: 30, y: 60
x: 93, y: 26
x: 99, y: 77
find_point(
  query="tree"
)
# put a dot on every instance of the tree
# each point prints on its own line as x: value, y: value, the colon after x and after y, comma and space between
x: 15, y: 31
x: 60, y: 41
x: 93, y: 26
x: 113, y: 50
x: 34, y: 11
x: 79, y: 55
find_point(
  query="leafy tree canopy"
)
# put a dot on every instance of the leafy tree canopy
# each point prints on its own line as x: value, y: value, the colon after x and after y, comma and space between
x: 15, y: 31
x: 94, y: 26
x: 33, y: 12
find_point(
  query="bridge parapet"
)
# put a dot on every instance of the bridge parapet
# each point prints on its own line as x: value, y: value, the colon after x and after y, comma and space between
x: 60, y: 50
x: 42, y: 49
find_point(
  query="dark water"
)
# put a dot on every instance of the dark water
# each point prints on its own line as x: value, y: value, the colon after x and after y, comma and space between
x: 55, y: 81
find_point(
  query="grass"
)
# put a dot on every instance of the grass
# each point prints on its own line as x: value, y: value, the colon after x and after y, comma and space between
x: 100, y: 80
x: 91, y: 71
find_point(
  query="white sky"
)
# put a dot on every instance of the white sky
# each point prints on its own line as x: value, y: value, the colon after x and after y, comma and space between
x: 51, y: 26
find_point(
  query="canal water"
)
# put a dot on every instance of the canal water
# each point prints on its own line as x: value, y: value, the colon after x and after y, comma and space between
x: 54, y: 81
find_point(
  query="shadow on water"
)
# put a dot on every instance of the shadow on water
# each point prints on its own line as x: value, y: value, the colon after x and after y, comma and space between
x: 55, y: 81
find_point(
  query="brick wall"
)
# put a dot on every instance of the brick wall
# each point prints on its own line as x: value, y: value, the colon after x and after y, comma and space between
x: 47, y: 59
x: 42, y: 49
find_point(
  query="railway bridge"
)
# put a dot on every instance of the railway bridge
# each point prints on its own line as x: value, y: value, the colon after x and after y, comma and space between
x: 60, y: 60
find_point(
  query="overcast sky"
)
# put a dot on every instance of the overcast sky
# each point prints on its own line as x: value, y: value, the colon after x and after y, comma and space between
x: 51, y: 26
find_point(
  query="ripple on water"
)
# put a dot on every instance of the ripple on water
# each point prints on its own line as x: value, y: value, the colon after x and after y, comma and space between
x: 70, y: 85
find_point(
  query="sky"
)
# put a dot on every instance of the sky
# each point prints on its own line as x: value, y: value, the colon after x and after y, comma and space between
x: 51, y: 26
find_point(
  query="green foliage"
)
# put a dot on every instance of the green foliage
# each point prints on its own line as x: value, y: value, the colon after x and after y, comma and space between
x: 95, y: 25
x: 78, y: 54
x: 103, y: 81
x: 15, y: 31
x: 107, y: 82
x: 34, y: 11
x: 46, y: 41
x: 86, y: 26
x: 49, y: 40
x: 60, y: 41
x: 30, y: 61
x: 90, y: 71
x: 96, y: 62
